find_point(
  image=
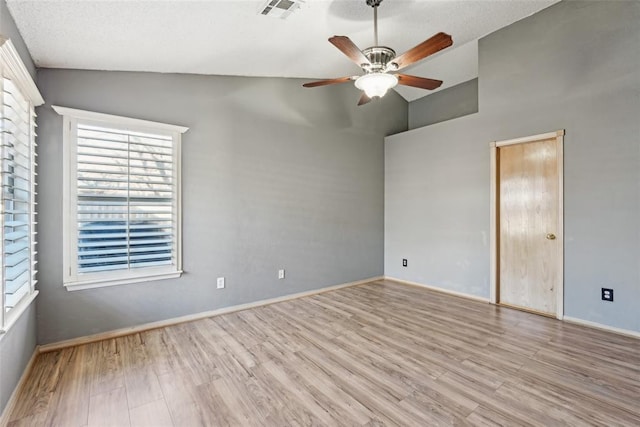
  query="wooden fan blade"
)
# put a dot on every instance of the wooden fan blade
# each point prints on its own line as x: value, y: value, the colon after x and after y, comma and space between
x: 327, y: 82
x: 364, y: 99
x: 421, y: 82
x: 349, y: 48
x: 428, y: 47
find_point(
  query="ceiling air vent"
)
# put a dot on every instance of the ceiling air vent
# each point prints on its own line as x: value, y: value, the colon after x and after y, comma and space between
x: 280, y: 8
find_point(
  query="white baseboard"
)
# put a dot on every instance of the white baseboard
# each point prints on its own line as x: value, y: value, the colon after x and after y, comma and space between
x: 568, y: 319
x: 437, y: 289
x: 191, y: 317
x: 11, y: 403
x: 597, y: 325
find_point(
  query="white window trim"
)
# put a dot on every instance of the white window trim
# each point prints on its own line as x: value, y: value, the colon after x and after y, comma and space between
x: 118, y: 120
x: 18, y: 72
x: 72, y: 281
x: 12, y: 66
x: 16, y: 312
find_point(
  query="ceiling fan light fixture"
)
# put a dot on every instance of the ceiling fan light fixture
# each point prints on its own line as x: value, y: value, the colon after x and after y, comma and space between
x: 378, y: 62
x: 376, y: 85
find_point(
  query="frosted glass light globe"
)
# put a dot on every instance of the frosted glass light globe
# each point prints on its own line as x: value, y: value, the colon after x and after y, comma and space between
x: 376, y: 85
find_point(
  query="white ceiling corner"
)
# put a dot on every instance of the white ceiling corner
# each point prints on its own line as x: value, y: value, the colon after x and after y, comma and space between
x: 230, y: 37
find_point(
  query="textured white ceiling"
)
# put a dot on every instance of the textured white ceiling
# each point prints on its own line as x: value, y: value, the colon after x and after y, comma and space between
x: 232, y: 38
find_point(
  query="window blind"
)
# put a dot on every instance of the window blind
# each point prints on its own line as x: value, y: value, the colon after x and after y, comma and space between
x: 126, y: 199
x: 18, y: 194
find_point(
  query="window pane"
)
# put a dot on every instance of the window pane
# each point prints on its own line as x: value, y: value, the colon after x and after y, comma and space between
x: 16, y: 178
x: 125, y: 199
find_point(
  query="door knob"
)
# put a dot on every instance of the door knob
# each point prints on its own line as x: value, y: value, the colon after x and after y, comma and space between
x: 551, y: 236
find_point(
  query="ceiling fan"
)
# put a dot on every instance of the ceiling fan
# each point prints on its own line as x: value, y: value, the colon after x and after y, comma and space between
x: 379, y: 63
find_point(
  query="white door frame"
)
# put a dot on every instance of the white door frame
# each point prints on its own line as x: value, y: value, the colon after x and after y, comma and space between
x: 494, y: 226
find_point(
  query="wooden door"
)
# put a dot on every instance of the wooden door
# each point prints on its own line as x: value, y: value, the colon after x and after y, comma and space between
x: 529, y: 225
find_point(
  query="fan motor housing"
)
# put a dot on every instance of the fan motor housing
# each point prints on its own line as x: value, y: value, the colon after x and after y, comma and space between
x: 379, y: 57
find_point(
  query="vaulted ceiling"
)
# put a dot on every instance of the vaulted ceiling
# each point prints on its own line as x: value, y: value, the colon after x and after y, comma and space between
x: 233, y: 38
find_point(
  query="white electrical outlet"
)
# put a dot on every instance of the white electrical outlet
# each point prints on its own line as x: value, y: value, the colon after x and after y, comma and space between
x: 220, y: 282
x: 280, y: 274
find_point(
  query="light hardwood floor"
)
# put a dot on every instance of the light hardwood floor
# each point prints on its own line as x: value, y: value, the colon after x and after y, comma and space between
x: 375, y: 354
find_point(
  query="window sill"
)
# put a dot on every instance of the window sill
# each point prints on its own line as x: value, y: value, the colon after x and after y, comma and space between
x: 17, y: 312
x: 101, y: 283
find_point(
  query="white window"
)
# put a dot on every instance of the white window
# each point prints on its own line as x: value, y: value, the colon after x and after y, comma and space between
x: 18, y: 97
x: 122, y: 193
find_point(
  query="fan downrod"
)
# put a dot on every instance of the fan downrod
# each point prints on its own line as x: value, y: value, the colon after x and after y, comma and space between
x: 374, y: 4
x: 379, y: 56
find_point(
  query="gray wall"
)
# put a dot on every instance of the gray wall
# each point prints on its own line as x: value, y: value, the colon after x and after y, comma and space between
x: 572, y: 66
x: 16, y: 349
x: 436, y: 206
x: 451, y: 103
x: 18, y: 344
x: 274, y: 176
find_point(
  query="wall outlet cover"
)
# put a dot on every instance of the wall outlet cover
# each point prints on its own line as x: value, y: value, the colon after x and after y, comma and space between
x: 280, y: 274
x: 607, y: 294
x: 220, y: 282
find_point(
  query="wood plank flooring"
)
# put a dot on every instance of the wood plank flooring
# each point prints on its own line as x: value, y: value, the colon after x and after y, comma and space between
x: 370, y: 355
